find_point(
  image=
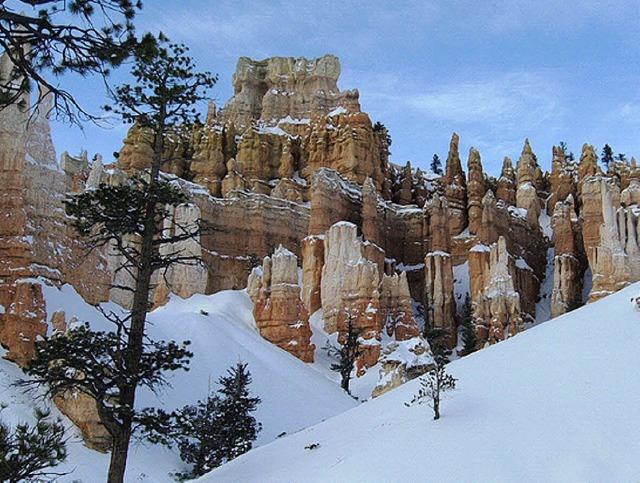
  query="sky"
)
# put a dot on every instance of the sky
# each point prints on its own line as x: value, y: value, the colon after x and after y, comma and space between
x: 496, y: 72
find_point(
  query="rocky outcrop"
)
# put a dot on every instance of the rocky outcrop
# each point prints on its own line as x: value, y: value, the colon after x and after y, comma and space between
x: 456, y: 188
x: 189, y: 276
x: 23, y: 320
x: 568, y: 261
x: 279, y: 312
x: 349, y: 285
x: 497, y: 314
x: 507, y: 183
x: 439, y: 296
x: 396, y: 313
x: 282, y: 87
x: 610, y: 237
x: 312, y: 263
x: 562, y: 181
x: 401, y: 362
x: 529, y: 183
x: 82, y: 411
x: 36, y: 244
x: 476, y: 189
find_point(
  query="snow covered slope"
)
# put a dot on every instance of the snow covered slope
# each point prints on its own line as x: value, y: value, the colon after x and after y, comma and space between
x: 558, y: 402
x: 222, y: 331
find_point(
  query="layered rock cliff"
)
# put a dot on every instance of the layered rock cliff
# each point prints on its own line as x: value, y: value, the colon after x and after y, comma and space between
x: 292, y: 160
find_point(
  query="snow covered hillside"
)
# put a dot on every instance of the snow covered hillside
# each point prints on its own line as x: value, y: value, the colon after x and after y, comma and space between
x: 222, y: 331
x: 558, y: 402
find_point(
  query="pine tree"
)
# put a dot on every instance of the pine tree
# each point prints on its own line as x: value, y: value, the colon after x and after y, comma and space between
x: 215, y: 430
x: 433, y: 384
x: 240, y: 429
x: 347, y: 352
x: 129, y: 217
x: 82, y: 36
x: 607, y: 156
x: 436, y: 165
x: 469, y: 336
x: 29, y: 452
x: 568, y: 154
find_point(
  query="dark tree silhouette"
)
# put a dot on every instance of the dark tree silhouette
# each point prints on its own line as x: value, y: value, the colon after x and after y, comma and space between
x: 129, y: 217
x: 53, y: 37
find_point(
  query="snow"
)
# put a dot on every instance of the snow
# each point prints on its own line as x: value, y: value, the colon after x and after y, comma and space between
x: 543, y: 306
x: 522, y: 264
x: 336, y: 111
x: 2, y: 309
x: 438, y: 253
x: 291, y: 120
x: 294, y: 394
x: 461, y: 283
x: 554, y: 403
x: 409, y: 268
x: 518, y: 212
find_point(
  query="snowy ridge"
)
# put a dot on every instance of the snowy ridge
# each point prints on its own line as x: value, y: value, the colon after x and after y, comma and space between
x: 554, y: 403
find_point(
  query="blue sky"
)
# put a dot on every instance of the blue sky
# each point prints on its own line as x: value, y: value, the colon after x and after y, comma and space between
x: 496, y: 72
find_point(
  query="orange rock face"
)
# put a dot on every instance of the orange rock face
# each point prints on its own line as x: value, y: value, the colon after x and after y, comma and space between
x: 456, y: 189
x: 396, y: 313
x: 279, y: 312
x: 507, y: 183
x: 476, y: 188
x: 23, y: 321
x: 497, y: 312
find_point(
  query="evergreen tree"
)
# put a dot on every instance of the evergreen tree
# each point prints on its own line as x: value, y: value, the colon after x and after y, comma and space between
x: 82, y: 36
x: 347, y: 352
x: 437, y: 339
x: 433, y: 384
x: 29, y: 452
x: 607, y: 156
x: 239, y: 428
x: 436, y: 165
x: 129, y: 217
x: 568, y: 154
x: 469, y: 336
x: 215, y: 430
x: 622, y: 157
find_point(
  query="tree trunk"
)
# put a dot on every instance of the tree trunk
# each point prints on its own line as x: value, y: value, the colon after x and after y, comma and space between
x: 119, y: 452
x: 139, y: 309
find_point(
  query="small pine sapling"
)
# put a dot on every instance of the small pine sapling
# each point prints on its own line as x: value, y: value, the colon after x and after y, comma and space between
x: 347, y: 353
x: 469, y: 336
x: 436, y: 381
x: 433, y: 384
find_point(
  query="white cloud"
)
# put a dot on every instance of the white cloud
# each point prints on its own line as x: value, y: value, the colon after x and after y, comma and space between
x: 513, y: 100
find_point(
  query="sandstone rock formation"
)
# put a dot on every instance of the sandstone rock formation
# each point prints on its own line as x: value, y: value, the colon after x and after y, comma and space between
x: 497, y: 314
x: 36, y: 245
x: 279, y: 312
x: 568, y: 263
x: 610, y: 237
x: 401, y: 362
x: 456, y: 188
x: 349, y: 290
x: 439, y: 298
x: 396, y: 314
x: 507, y: 183
x: 476, y: 189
